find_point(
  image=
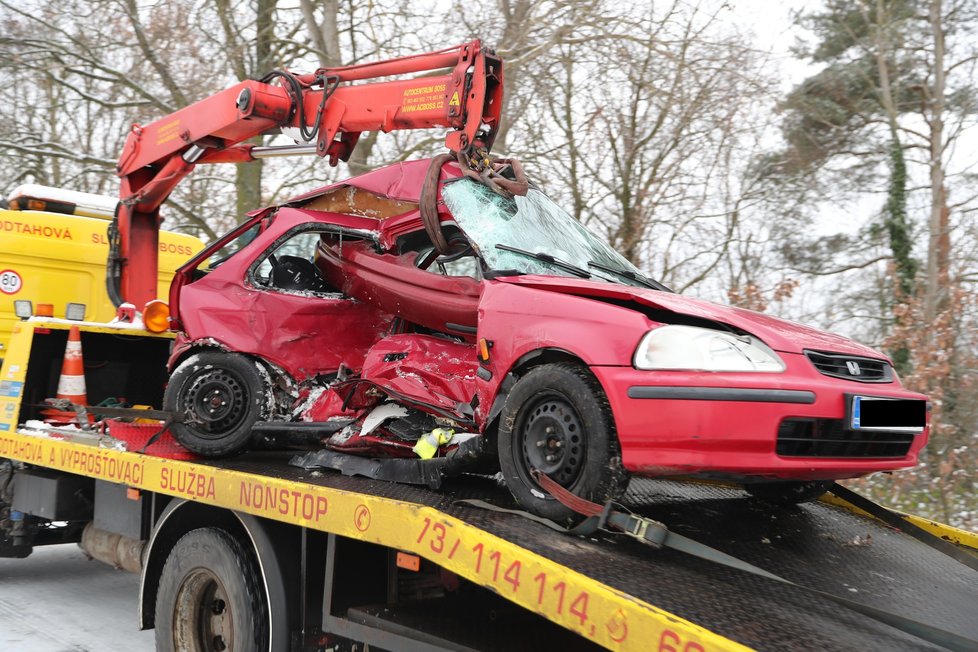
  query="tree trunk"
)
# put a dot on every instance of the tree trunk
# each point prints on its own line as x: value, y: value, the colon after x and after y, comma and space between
x: 939, y: 242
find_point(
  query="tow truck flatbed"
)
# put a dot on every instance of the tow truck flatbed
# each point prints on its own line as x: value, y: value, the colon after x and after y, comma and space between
x: 609, y: 589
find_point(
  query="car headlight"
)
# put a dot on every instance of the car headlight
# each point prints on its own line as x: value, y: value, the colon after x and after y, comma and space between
x: 704, y: 349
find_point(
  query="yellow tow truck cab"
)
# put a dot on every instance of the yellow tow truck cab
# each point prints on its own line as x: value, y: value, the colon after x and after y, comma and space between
x: 53, y: 249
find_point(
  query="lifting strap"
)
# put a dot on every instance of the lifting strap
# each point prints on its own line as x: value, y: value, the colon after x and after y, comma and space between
x: 616, y: 518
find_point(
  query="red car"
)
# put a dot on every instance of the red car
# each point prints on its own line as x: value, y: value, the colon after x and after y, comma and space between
x: 531, y: 344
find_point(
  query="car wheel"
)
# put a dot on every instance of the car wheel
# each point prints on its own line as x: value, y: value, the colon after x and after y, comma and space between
x: 221, y: 396
x: 557, y: 420
x: 210, y: 597
x: 788, y: 492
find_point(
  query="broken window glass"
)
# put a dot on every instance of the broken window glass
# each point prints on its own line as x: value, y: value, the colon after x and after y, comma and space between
x: 531, y: 235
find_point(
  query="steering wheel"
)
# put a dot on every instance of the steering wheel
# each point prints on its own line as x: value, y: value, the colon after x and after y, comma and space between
x: 458, y: 247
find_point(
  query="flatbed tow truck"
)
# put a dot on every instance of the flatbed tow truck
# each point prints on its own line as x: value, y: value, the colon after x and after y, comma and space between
x: 252, y: 553
x: 345, y: 560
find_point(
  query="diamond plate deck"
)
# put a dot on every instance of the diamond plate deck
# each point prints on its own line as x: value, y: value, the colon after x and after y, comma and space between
x: 822, y: 546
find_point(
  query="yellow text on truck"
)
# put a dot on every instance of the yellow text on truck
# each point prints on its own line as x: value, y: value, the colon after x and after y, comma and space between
x: 53, y: 248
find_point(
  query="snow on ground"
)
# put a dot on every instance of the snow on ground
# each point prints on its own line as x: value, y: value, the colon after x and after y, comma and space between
x: 57, y: 600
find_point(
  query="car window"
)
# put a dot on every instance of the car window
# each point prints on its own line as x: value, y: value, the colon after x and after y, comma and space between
x: 302, y: 245
x: 290, y: 265
x: 230, y: 248
x: 463, y: 261
x: 465, y: 266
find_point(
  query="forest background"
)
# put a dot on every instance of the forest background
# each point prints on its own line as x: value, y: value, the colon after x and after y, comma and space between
x: 822, y: 169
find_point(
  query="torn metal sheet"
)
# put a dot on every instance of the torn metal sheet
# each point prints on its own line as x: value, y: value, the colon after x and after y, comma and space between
x: 411, y: 471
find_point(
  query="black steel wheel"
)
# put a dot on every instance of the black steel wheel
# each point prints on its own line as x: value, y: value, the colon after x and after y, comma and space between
x: 553, y: 438
x: 220, y: 397
x: 210, y: 597
x: 558, y: 421
x: 788, y: 492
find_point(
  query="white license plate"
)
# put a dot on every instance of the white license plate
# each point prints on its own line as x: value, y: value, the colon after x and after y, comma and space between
x: 890, y: 414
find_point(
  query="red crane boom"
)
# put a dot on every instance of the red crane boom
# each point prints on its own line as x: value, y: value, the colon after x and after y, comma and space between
x: 329, y: 111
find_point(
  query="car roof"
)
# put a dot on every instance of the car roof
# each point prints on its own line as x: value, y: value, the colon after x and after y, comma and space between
x: 398, y: 181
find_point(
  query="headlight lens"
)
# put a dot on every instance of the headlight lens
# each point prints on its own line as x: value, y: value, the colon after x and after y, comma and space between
x: 704, y: 349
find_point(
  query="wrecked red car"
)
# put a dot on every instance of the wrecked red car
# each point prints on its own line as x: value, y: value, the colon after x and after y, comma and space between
x: 529, y: 345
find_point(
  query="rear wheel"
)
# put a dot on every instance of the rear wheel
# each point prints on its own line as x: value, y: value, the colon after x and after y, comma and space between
x: 558, y: 421
x: 220, y: 396
x: 210, y: 597
x: 788, y: 492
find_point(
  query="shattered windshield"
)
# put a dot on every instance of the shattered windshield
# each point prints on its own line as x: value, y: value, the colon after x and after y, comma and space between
x: 532, y: 235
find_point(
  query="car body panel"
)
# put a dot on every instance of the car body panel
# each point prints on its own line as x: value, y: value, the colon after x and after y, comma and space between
x: 304, y: 334
x: 779, y: 334
x: 662, y: 436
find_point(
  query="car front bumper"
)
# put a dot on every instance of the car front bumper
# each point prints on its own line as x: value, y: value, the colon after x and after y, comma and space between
x: 727, y: 424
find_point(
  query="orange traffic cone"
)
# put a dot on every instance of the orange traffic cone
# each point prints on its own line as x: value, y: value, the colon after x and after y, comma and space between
x: 71, y: 385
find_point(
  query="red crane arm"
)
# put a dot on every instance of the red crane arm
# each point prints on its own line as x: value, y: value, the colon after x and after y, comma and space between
x: 326, y: 106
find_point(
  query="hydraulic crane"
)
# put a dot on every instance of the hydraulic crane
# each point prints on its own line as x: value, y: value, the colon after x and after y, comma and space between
x: 327, y: 109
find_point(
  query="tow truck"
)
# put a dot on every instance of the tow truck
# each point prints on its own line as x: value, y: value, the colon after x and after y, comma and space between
x: 53, y: 245
x: 253, y: 553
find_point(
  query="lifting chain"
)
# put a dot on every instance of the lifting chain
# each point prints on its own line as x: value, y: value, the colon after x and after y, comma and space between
x: 476, y: 164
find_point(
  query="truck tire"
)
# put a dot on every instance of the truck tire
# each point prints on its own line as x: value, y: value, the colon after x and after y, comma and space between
x: 210, y: 597
x: 220, y: 395
x: 788, y: 492
x: 557, y: 420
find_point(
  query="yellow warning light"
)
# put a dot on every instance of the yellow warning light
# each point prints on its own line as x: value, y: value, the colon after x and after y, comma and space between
x: 156, y: 316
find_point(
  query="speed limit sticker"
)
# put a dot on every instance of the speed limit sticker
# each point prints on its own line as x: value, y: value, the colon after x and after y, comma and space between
x: 10, y: 282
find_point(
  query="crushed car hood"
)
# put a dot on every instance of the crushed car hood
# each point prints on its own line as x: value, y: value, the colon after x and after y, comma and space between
x: 779, y: 334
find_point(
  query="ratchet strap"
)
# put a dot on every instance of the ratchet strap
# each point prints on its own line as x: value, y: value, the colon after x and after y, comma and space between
x: 616, y: 518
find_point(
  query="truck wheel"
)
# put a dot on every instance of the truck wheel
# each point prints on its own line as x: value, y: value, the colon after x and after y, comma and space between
x: 557, y: 420
x: 788, y: 492
x: 210, y: 597
x: 221, y: 395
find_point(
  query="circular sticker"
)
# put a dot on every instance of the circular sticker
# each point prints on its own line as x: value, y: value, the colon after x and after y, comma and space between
x: 361, y: 518
x: 10, y: 282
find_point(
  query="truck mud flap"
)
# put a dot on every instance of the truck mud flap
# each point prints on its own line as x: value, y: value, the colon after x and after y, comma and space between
x: 409, y: 471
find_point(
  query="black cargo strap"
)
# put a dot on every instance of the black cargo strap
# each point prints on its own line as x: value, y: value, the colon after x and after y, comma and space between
x: 900, y: 522
x: 156, y: 436
x: 616, y: 518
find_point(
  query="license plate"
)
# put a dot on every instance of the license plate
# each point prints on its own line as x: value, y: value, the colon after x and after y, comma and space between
x: 890, y: 414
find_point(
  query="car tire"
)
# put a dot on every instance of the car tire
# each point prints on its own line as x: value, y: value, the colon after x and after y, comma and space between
x: 210, y: 596
x: 557, y: 419
x: 788, y: 492
x: 220, y: 395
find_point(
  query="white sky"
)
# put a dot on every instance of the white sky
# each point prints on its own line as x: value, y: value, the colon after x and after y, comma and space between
x: 774, y: 31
